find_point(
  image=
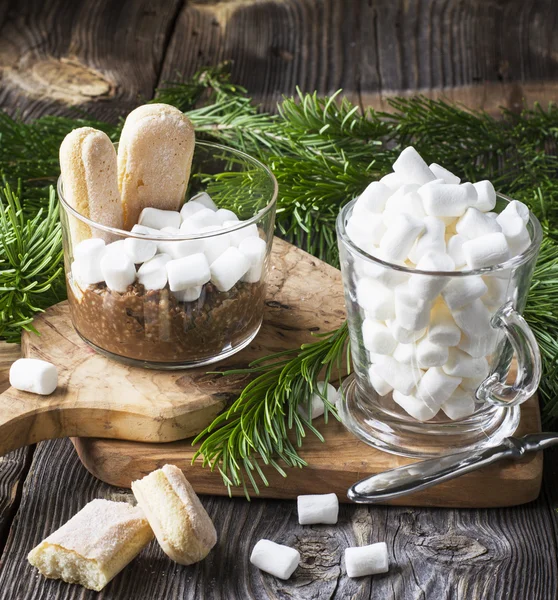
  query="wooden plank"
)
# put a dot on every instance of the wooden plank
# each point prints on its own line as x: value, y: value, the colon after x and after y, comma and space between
x: 498, y: 554
x: 484, y: 54
x: 103, y: 57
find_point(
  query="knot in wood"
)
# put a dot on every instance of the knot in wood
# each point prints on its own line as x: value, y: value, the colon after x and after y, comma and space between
x: 452, y: 548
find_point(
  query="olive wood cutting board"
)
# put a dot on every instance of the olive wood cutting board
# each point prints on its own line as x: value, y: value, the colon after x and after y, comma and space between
x: 100, y: 398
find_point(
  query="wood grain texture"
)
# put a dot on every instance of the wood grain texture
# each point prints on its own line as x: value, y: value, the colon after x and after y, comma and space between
x: 497, y: 554
x: 333, y: 466
x: 484, y: 54
x: 102, y: 57
x: 99, y: 397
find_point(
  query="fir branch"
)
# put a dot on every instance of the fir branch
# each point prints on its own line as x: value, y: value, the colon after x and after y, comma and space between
x: 259, y: 426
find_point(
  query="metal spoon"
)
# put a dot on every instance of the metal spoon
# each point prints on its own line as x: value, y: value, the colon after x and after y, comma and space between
x: 421, y: 475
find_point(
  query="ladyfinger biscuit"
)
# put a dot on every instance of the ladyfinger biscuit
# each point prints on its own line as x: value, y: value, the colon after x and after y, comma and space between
x: 90, y: 177
x: 181, y: 524
x: 154, y: 159
x: 94, y: 545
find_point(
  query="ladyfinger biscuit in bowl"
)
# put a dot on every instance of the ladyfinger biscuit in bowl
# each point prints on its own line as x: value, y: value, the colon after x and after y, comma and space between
x: 90, y: 180
x: 181, y: 524
x: 94, y: 545
x: 154, y: 159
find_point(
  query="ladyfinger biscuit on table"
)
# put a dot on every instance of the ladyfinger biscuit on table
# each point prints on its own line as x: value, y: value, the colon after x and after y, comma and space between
x: 90, y: 181
x: 181, y: 524
x: 154, y: 159
x: 94, y: 545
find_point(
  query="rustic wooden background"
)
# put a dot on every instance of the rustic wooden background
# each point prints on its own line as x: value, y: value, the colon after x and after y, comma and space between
x: 106, y: 56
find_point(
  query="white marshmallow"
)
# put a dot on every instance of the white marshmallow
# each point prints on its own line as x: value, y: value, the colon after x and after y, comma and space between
x: 153, y: 273
x: 157, y: 218
x: 459, y: 405
x: 411, y: 311
x: 435, y: 387
x: 373, y: 199
x: 428, y: 287
x: 91, y: 248
x: 366, y: 230
x: 317, y: 402
x: 404, y: 200
x: 515, y: 208
x: 471, y: 191
x: 241, y: 233
x: 463, y: 290
x: 115, y: 248
x: 402, y: 335
x: 486, y: 250
x: 118, y: 271
x: 86, y: 268
x: 190, y: 294
x: 455, y: 250
x: 375, y: 298
x: 215, y: 245
x: 317, y: 508
x: 473, y: 319
x: 228, y: 269
x: 381, y: 386
x: 204, y: 199
x: 430, y: 355
x: 486, y: 196
x: 179, y: 248
x: 400, y: 236
x: 443, y: 173
x: 275, y: 559
x: 188, y: 271
x: 478, y: 346
x: 199, y: 220
x: 224, y: 214
x: 367, y: 560
x: 392, y: 181
x: 385, y: 275
x: 432, y: 239
x: 497, y: 293
x: 405, y: 353
x: 34, y: 375
x: 401, y: 377
x: 475, y: 223
x: 460, y: 364
x: 254, y: 249
x: 442, y: 329
x: 444, y: 200
x: 411, y: 168
x: 418, y: 409
x: 377, y: 337
x: 514, y: 228
x: 190, y: 208
x: 470, y: 384
x: 139, y: 250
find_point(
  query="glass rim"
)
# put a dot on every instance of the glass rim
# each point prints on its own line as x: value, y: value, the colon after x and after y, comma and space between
x: 193, y: 236
x: 513, y: 262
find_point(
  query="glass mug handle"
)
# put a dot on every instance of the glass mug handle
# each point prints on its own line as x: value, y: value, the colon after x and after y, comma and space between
x: 493, y: 389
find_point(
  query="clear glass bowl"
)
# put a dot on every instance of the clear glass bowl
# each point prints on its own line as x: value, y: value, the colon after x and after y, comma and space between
x: 168, y: 330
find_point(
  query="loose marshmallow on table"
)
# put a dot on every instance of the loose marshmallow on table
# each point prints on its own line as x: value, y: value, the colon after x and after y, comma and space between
x: 157, y: 218
x: 228, y: 269
x: 411, y: 168
x: 418, y: 409
x: 33, y: 375
x: 367, y: 560
x: 275, y: 559
x: 118, y: 270
x: 435, y: 387
x: 444, y: 200
x: 205, y: 199
x: 86, y: 268
x: 375, y: 298
x: 314, y: 509
x: 442, y: 173
x: 459, y: 405
x: 153, y: 273
x: 377, y: 337
x: 254, y: 249
x: 190, y: 208
x: 381, y: 386
x: 475, y: 223
x: 188, y: 272
x: 400, y: 236
x: 432, y: 239
x: 317, y: 407
x: 373, y: 199
x: 486, y: 250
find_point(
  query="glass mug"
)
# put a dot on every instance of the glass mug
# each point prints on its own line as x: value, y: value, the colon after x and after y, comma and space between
x: 165, y: 329
x: 476, y: 405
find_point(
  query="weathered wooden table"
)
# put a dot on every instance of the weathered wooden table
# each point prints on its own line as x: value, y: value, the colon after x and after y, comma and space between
x: 105, y: 57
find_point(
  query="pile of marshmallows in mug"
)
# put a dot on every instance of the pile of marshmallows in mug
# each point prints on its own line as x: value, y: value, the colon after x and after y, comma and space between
x: 428, y: 337
x: 222, y: 258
